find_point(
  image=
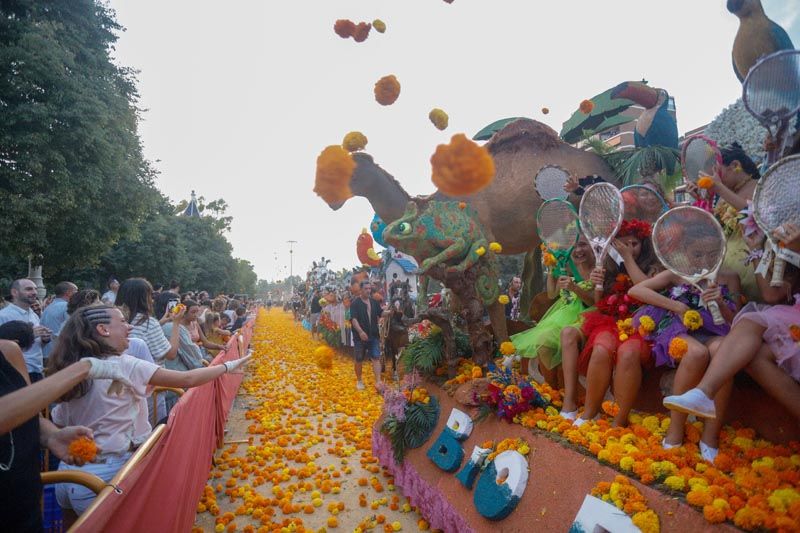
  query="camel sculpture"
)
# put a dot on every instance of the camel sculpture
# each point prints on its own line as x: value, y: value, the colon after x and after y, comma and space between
x: 507, y: 207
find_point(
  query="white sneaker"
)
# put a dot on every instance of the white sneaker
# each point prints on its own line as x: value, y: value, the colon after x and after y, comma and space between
x: 708, y: 453
x: 693, y: 402
x: 359, y: 385
x: 569, y: 415
x: 578, y: 422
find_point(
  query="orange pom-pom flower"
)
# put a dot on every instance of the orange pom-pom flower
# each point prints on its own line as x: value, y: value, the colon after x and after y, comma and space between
x: 461, y: 167
x: 705, y: 182
x: 334, y: 168
x: 387, y: 89
x: 545, y: 111
x: 344, y: 28
x: 439, y: 118
x: 361, y: 32
x: 83, y: 448
x: 586, y: 107
x: 678, y: 348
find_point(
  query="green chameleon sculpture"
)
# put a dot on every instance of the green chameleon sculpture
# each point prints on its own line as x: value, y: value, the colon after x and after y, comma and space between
x: 450, y: 245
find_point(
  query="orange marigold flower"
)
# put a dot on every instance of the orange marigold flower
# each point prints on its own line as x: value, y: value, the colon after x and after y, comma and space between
x: 794, y: 331
x: 344, y: 28
x: 379, y: 25
x: 705, y: 182
x: 545, y: 111
x: 507, y: 348
x: 387, y: 89
x: 439, y: 118
x: 361, y: 32
x: 83, y: 448
x: 461, y: 167
x: 354, y: 141
x: 713, y: 514
x: 586, y: 107
x: 334, y: 168
x: 678, y: 348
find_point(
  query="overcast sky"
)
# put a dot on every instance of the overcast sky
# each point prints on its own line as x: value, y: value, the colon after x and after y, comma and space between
x: 241, y: 96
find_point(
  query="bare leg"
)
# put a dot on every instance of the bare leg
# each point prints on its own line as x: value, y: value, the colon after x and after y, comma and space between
x: 569, y: 362
x: 775, y: 381
x: 523, y: 365
x: 738, y: 348
x: 690, y: 371
x: 627, y: 379
x: 712, y: 426
x: 358, y: 370
x: 376, y: 369
x: 598, y: 377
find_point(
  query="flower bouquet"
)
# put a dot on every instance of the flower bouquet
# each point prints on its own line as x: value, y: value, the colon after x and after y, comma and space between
x: 411, y: 415
x: 510, y: 394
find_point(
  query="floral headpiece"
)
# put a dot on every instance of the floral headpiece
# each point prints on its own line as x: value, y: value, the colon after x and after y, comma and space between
x: 638, y: 228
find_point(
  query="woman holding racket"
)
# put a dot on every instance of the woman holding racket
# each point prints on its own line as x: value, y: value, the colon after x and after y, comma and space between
x: 575, y: 293
x: 762, y: 341
x: 677, y: 322
x: 734, y: 181
x: 602, y: 328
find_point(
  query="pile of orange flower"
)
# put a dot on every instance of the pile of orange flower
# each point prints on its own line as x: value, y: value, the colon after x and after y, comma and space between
x: 306, y: 464
x: 626, y: 497
x: 753, y: 483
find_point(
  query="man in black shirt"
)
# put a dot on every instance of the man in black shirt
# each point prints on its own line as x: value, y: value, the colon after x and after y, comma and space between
x: 316, y: 309
x: 364, y: 315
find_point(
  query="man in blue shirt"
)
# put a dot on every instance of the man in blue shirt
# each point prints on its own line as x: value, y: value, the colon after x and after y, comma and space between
x: 23, y: 295
x: 55, y: 314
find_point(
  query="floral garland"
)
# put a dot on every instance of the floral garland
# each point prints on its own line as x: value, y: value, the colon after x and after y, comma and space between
x: 510, y: 394
x: 517, y: 444
x: 626, y: 497
x: 640, y: 229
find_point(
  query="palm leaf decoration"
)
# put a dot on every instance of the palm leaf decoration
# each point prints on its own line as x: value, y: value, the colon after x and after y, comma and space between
x: 420, y: 421
x: 644, y: 162
x: 424, y: 354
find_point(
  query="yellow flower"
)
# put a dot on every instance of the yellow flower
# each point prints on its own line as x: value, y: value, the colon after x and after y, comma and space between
x: 626, y: 463
x: 646, y: 325
x: 781, y: 499
x: 480, y: 251
x: 507, y: 348
x: 334, y: 168
x: 496, y: 247
x: 647, y: 521
x: 675, y: 482
x: 439, y: 118
x: 461, y: 167
x: 503, y: 299
x: 379, y: 25
x: 692, y: 320
x: 354, y: 141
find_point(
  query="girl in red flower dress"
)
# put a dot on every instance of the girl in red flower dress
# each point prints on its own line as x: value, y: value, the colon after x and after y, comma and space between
x: 604, y: 328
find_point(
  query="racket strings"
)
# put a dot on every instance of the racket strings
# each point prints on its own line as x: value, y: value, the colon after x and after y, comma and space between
x: 689, y: 242
x: 699, y: 157
x: 550, y: 181
x: 601, y: 212
x: 642, y: 203
x: 557, y: 224
x: 776, y: 200
x: 772, y: 90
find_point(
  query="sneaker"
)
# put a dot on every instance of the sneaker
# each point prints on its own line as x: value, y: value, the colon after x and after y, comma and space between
x: 668, y: 446
x: 578, y: 422
x: 395, y: 376
x: 359, y: 385
x: 569, y: 415
x: 693, y: 402
x: 708, y: 453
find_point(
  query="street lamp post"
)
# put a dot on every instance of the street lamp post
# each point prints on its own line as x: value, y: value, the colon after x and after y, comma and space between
x: 291, y: 265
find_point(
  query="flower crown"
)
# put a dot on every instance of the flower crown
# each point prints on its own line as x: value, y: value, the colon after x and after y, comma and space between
x: 638, y: 228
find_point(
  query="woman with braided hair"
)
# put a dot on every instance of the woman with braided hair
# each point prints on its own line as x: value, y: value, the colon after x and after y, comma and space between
x: 115, y: 411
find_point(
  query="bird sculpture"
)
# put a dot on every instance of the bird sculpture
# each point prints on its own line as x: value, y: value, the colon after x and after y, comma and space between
x: 655, y: 126
x: 757, y: 36
x: 366, y: 251
x: 377, y: 226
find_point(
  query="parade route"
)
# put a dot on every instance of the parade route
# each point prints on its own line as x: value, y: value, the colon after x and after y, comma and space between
x: 297, y: 454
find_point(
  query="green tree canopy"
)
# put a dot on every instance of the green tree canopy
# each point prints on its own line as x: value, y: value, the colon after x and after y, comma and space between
x: 73, y: 179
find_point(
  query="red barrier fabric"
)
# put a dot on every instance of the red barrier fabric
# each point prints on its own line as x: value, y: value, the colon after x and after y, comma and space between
x: 161, y: 492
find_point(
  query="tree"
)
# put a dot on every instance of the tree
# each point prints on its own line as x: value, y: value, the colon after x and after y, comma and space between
x: 73, y: 180
x: 215, y: 210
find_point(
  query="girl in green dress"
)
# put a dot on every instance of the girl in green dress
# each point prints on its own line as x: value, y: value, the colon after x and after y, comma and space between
x: 575, y: 294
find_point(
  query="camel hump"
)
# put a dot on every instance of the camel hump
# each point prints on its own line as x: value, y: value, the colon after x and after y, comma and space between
x: 524, y: 131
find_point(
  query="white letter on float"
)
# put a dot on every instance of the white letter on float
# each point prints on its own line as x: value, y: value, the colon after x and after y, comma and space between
x: 460, y: 423
x: 496, y: 501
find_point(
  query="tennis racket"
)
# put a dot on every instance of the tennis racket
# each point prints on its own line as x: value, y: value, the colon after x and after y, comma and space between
x: 600, y: 215
x: 700, y: 157
x: 549, y: 182
x: 558, y: 228
x: 690, y: 243
x: 775, y: 203
x: 642, y: 203
x: 771, y: 93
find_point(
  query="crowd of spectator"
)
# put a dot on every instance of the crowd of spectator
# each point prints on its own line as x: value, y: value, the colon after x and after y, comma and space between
x: 93, y: 361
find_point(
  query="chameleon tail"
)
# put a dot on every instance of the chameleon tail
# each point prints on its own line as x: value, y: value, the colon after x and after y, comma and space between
x: 488, y: 289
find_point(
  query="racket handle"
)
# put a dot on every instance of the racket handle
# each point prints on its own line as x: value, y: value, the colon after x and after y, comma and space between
x: 716, y: 314
x: 778, y: 266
